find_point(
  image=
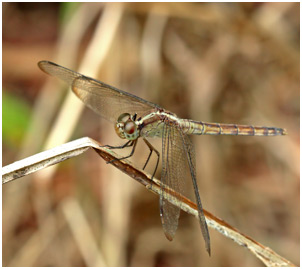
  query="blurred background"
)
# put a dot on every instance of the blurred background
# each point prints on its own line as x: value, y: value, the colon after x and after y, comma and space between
x: 215, y: 62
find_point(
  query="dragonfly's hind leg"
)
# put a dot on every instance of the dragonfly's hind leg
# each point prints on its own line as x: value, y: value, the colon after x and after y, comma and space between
x: 151, y: 150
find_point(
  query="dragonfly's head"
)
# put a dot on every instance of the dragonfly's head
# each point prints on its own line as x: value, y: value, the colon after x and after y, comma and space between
x: 126, y: 128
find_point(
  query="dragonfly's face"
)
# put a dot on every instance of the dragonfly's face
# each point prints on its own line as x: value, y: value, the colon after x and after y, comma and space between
x: 126, y: 128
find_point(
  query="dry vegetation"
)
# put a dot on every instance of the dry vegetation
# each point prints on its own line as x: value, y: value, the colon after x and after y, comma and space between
x: 229, y: 63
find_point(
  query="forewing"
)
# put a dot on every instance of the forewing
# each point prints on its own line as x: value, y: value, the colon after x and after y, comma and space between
x: 102, y: 98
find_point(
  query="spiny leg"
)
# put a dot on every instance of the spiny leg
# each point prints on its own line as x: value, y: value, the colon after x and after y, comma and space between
x: 151, y: 150
x: 150, y: 153
x: 130, y: 143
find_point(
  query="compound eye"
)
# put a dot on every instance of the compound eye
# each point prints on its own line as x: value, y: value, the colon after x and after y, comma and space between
x: 130, y: 127
x: 123, y: 118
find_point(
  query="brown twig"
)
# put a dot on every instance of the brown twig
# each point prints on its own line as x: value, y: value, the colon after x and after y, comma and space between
x: 58, y: 154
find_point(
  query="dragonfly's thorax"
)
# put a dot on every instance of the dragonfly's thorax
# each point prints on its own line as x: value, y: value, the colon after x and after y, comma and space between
x: 126, y: 127
x: 152, y: 125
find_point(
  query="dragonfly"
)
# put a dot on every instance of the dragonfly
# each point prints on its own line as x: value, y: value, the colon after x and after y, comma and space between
x: 134, y: 118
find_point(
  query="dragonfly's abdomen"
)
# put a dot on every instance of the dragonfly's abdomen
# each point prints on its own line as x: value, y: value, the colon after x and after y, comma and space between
x: 204, y: 128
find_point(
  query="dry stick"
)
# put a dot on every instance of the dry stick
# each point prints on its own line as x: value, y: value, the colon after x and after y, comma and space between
x: 58, y: 154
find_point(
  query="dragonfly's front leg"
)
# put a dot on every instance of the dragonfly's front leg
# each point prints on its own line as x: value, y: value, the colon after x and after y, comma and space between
x: 127, y: 144
x: 151, y: 150
x: 130, y: 143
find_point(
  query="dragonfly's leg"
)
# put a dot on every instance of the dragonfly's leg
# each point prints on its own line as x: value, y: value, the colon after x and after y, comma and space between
x: 133, y: 143
x: 129, y: 143
x: 150, y: 153
x: 151, y: 150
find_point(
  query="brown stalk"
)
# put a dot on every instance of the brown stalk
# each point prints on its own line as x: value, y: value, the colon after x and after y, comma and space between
x: 58, y: 154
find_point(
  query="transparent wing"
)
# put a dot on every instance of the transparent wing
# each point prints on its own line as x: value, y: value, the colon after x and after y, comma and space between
x: 190, y: 155
x: 104, y: 99
x: 171, y: 179
x: 178, y: 165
